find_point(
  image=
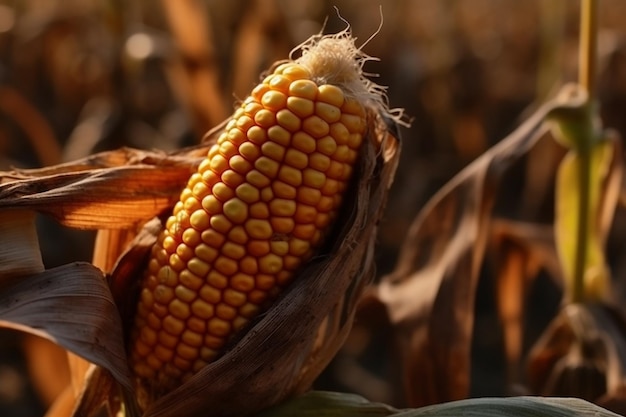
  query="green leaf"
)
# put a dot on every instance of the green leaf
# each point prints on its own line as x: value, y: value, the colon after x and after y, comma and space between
x: 335, y: 404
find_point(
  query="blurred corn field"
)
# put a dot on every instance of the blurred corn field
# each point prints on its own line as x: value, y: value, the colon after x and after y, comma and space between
x: 81, y: 77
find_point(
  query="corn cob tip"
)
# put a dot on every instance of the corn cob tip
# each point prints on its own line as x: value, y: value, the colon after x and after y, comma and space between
x: 336, y: 59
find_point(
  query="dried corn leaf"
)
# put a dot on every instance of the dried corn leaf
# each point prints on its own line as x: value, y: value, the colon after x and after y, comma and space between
x: 288, y: 346
x: 430, y: 294
x: 582, y: 353
x: 518, y: 251
x: 72, y: 306
x: 110, y: 190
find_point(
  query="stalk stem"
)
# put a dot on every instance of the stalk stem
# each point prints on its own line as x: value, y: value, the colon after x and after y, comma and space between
x: 587, y: 79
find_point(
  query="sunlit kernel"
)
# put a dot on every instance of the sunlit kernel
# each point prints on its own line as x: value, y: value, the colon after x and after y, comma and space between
x: 202, y: 309
x: 315, y: 126
x: 216, y: 279
x: 265, y: 281
x: 200, y: 190
x: 327, y: 112
x: 238, y: 235
x: 222, y: 192
x: 282, y: 190
x: 250, y: 151
x: 279, y: 135
x: 219, y: 164
x: 249, y: 266
x: 247, y: 193
x: 236, y: 136
x: 184, y: 294
x: 319, y: 162
x: 211, y: 205
x: 300, y: 107
x: 179, y: 309
x: 176, y: 263
x: 244, y: 123
x: 198, y: 267
x: 270, y: 263
x: 259, y: 296
x: 258, y: 229
x: 196, y: 323
x: 292, y: 262
x: 232, y: 178
x: 225, y: 311
x: 331, y: 94
x: 236, y: 210
x: 288, y: 120
x: 282, y: 207
x: 218, y: 327
x: 335, y: 171
x: 258, y: 247
x: 192, y: 339
x: 266, y: 166
x: 290, y: 175
x: 304, y: 142
x: 313, y: 178
x: 251, y: 108
x: 148, y: 335
x: 257, y: 179
x: 325, y: 204
x: 184, y: 251
x: 282, y: 225
x: 279, y: 248
x: 221, y: 224
x: 259, y: 210
x: 173, y: 325
x: 273, y: 150
x: 225, y: 265
x: 233, y: 251
x: 240, y: 282
x: 353, y: 106
x: 274, y: 100
x: 267, y: 194
x: 239, y: 164
x: 213, y: 342
x: 191, y: 237
x: 327, y: 145
x: 166, y: 276
x: 239, y: 323
x: 295, y: 71
x: 228, y: 150
x: 210, y: 294
x: 264, y: 119
x: 303, y: 88
x: 354, y: 124
x: 278, y: 82
x: 212, y: 238
x: 304, y: 231
x: 305, y: 214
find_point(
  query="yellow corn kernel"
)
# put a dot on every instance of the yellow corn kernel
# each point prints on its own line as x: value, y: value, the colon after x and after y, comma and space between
x: 253, y: 213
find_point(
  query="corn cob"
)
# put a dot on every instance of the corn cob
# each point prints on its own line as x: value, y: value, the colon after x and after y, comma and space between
x: 255, y: 210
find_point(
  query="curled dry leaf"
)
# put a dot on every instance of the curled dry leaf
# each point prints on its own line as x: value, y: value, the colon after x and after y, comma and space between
x: 582, y: 354
x: 72, y: 306
x: 430, y: 294
x: 110, y: 190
